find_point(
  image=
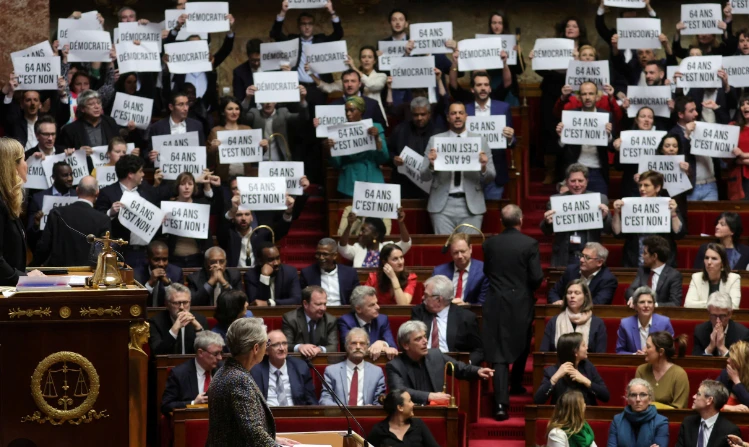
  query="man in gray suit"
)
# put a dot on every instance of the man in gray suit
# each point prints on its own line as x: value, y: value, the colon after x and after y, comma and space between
x: 310, y: 330
x: 457, y: 197
x: 355, y: 381
x: 275, y: 120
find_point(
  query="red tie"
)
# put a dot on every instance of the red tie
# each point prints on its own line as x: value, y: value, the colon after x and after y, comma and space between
x: 459, y: 290
x: 207, y: 381
x: 650, y: 279
x: 435, y: 334
x: 353, y: 395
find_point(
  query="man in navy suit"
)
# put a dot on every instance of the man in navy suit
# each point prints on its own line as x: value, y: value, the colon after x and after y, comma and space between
x: 338, y: 280
x: 284, y: 381
x: 352, y: 86
x: 270, y: 281
x: 188, y: 383
x: 243, y: 73
x: 370, y: 381
x: 709, y: 423
x: 366, y: 314
x: 158, y: 273
x: 176, y: 123
x: 62, y: 186
x: 592, y: 267
x: 467, y: 274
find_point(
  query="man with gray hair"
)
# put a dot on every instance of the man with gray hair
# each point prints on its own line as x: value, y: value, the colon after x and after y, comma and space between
x: 366, y: 314
x: 708, y: 427
x: 592, y: 269
x: 715, y: 337
x: 356, y: 381
x: 93, y: 127
x: 174, y: 329
x: 188, y: 383
x: 450, y: 328
x: 421, y: 371
x: 338, y: 280
x: 61, y: 244
x: 207, y: 283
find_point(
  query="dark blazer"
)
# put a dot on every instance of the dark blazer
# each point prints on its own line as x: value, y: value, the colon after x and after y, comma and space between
x: 597, y: 391
x: 243, y: 78
x: 62, y: 247
x: 287, y: 290
x: 702, y: 333
x: 668, y: 291
x: 12, y: 248
x: 210, y: 98
x: 498, y: 155
x: 462, y: 330
x: 596, y: 338
x: 296, y: 330
x: 348, y: 280
x: 477, y: 286
x: 181, y: 387
x: 741, y: 264
x: 161, y: 127
x: 14, y: 122
x: 162, y: 342
x: 399, y: 374
x: 300, y: 380
x: 75, y: 135
x: 231, y: 241
x: 379, y: 328
x: 142, y: 275
x: 36, y: 203
x: 690, y: 427
x: 277, y: 34
x: 197, y: 281
x: 372, y: 111
x: 628, y: 336
x: 602, y: 286
x: 113, y: 193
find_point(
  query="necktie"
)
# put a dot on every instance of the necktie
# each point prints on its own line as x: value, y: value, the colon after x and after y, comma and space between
x: 207, y: 381
x: 459, y: 290
x: 456, y: 177
x: 435, y: 334
x: 280, y: 391
x: 650, y: 279
x: 353, y: 395
x: 155, y: 295
x: 216, y: 293
x: 368, y: 327
x: 312, y: 331
x: 700, y: 435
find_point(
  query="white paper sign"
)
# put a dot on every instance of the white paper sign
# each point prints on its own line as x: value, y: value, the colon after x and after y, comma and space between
x: 491, y: 128
x: 576, y: 212
x: 639, y: 143
x: 430, y: 38
x: 701, y: 18
x: 329, y: 116
x: 392, y: 48
x: 737, y: 68
x: 170, y: 21
x: 585, y: 128
x: 106, y: 175
x: 37, y: 73
x: 277, y: 87
x: 188, y: 57
x: 739, y: 6
x: 715, y: 140
x: 49, y: 203
x: 328, y: 57
x: 158, y: 142
x: 131, y: 31
x: 656, y: 97
x: 35, y: 177
x: 262, y: 193
x: 240, y: 146
x: 64, y: 26
x: 457, y: 154
x: 292, y: 171
x: 176, y: 160
x: 351, y: 138
x: 675, y: 180
x: 143, y: 58
x: 636, y: 33
x: 101, y: 158
x: 413, y: 72
x: 42, y: 49
x: 128, y: 108
x: 480, y: 54
x: 186, y: 219
x: 207, y: 17
x: 625, y: 3
x: 700, y: 72
x: 412, y: 168
x: 646, y: 215
x: 307, y: 4
x: 376, y: 200
x: 93, y: 18
x: 275, y: 54
x: 553, y: 54
x: 509, y: 42
x: 76, y: 161
x: 579, y: 72
x: 89, y: 46
x: 141, y: 217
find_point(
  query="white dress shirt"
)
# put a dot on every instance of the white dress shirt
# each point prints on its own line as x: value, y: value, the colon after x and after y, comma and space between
x: 31, y: 140
x: 270, y: 281
x: 656, y: 276
x: 243, y: 251
x: 272, y: 399
x: 709, y: 424
x: 201, y: 377
x: 200, y: 81
x: 465, y: 280
x: 177, y: 128
x: 442, y: 326
x: 360, y: 378
x: 329, y: 282
x: 644, y: 332
x: 486, y: 111
x: 456, y: 189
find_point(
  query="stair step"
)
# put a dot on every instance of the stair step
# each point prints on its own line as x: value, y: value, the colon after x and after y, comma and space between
x: 492, y: 443
x: 488, y: 429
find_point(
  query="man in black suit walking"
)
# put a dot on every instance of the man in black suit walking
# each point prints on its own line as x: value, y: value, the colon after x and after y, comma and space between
x: 707, y: 428
x: 173, y: 330
x: 657, y: 274
x: 513, y: 266
x: 158, y: 273
x: 715, y: 337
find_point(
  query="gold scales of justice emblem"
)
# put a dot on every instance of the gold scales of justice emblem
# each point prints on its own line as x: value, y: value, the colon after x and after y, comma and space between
x: 65, y: 386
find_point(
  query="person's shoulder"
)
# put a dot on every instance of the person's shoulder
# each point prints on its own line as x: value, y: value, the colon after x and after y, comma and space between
x: 679, y: 372
x: 734, y: 276
x: 381, y: 318
x: 161, y: 319
x: 184, y: 367
x: 292, y: 314
x: 296, y: 363
x: 289, y: 269
x: 310, y: 269
x: 697, y: 276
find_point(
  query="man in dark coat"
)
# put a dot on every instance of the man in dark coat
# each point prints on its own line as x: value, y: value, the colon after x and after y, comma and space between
x: 715, y: 336
x: 592, y: 268
x: 708, y: 401
x: 207, y: 283
x: 158, y: 273
x: 173, y: 330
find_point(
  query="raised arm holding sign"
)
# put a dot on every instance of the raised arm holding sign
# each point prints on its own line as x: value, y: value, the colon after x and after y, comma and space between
x: 700, y: 72
x: 638, y: 33
x: 141, y: 217
x: 188, y: 57
x: 376, y: 200
x: 715, y: 140
x: 580, y: 72
x: 275, y: 54
x: 590, y: 128
x: 129, y: 108
x: 207, y: 17
x: 553, y: 54
x: 430, y: 38
x: 262, y: 193
x: 635, y: 144
x: 37, y: 73
x: 576, y: 212
x: 702, y: 18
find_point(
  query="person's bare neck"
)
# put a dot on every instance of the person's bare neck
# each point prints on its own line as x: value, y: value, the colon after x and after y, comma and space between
x: 176, y: 119
x: 727, y: 241
x: 278, y: 363
x: 707, y: 413
x: 399, y: 36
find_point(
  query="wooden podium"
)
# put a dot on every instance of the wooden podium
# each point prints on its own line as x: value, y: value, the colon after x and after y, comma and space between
x: 72, y: 370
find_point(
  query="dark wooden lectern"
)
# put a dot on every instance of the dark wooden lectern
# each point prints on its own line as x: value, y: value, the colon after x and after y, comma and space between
x: 72, y: 370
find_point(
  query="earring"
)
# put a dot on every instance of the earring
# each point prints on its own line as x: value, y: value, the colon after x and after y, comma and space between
x: 374, y: 240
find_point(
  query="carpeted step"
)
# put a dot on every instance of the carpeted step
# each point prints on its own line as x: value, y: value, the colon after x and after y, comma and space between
x: 488, y: 429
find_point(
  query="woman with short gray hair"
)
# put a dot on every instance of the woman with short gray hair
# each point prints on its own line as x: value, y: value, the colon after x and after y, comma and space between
x: 630, y: 338
x: 639, y: 425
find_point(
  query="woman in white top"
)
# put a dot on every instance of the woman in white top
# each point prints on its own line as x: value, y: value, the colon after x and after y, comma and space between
x: 714, y: 277
x: 365, y: 252
x: 567, y: 426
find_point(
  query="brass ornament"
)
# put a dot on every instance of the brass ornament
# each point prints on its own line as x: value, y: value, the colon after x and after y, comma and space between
x: 139, y: 333
x: 135, y: 310
x: 41, y: 312
x: 107, y: 273
x: 100, y: 311
x: 65, y: 312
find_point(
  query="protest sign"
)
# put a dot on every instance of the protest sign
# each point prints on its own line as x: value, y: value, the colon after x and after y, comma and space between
x: 128, y: 108
x: 351, y: 138
x: 143, y: 58
x: 141, y: 217
x: 480, y: 54
x: 186, y: 219
x: 35, y: 177
x: 240, y: 146
x: 158, y: 142
x: 275, y: 54
x: 714, y: 140
x: 739, y: 6
x: 636, y: 33
x: 413, y: 72
x: 207, y: 17
x: 149, y: 33
x: 176, y: 160
x: 646, y: 215
x: 509, y: 42
x: 625, y: 3
x: 92, y: 17
x: 329, y: 116
x: 638, y: 143
x: 376, y: 200
x: 700, y: 72
x: 307, y: 4
x: 576, y: 212
x: 553, y: 54
x: 262, y: 193
x: 385, y: 62
x: 89, y: 46
x: 585, y: 128
x: 390, y: 51
x: 457, y: 154
x: 76, y: 161
x: 579, y: 72
x: 491, y: 128
x: 106, y: 175
x: 430, y: 38
x: 655, y: 97
x: 188, y: 57
x: 64, y: 26
x: 37, y: 73
x: 412, y: 168
x: 701, y: 18
x: 292, y: 171
x: 42, y: 49
x: 328, y: 57
x: 675, y: 180
x: 171, y: 16
x: 737, y: 69
x: 100, y: 157
x: 277, y: 87
x: 51, y: 202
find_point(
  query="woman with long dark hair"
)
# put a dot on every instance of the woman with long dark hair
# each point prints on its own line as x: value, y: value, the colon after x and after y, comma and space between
x: 728, y: 229
x: 229, y: 115
x: 394, y: 284
x: 400, y: 427
x: 714, y: 277
x: 230, y: 306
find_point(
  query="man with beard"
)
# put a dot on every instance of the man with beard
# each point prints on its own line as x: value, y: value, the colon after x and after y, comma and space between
x: 351, y: 80
x: 62, y: 186
x: 271, y: 283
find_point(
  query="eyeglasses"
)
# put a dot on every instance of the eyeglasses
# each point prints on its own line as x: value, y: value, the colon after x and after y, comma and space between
x: 719, y: 316
x: 179, y: 303
x: 278, y: 344
x: 586, y: 257
x: 641, y: 396
x: 216, y: 354
x: 426, y: 297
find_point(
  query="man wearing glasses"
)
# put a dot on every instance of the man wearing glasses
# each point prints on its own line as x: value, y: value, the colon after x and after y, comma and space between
x: 592, y: 268
x: 284, y: 381
x: 715, y: 337
x: 174, y: 329
x: 188, y: 383
x: 339, y: 281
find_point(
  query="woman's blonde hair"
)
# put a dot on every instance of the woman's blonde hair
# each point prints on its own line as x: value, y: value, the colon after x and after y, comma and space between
x: 588, y: 47
x: 739, y: 355
x: 11, y: 184
x: 569, y: 413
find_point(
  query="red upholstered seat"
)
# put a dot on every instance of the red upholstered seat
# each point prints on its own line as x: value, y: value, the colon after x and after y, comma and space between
x: 212, y: 322
x: 196, y: 433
